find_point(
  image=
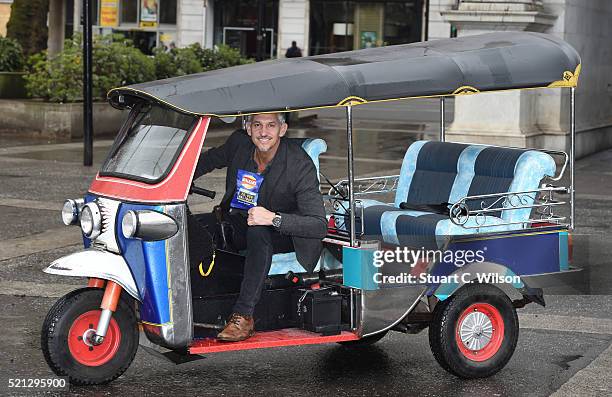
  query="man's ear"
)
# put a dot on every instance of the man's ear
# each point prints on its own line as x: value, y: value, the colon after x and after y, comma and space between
x: 248, y: 128
x: 283, y: 129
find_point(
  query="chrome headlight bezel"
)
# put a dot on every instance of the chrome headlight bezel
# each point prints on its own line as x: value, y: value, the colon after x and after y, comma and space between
x: 91, y: 220
x: 71, y: 210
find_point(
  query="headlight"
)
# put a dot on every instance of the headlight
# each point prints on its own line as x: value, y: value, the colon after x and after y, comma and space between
x: 70, y: 211
x: 129, y: 224
x: 91, y: 220
x: 148, y: 225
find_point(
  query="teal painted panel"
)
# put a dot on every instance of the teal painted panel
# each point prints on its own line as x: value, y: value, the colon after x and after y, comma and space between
x: 358, y: 268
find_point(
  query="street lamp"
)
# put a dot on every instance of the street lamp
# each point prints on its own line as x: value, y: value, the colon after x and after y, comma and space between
x: 87, y: 85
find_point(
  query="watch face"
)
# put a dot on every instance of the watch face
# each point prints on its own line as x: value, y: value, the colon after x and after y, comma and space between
x: 276, y: 221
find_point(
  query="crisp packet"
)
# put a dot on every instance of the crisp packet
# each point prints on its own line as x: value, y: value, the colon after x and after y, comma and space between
x: 247, y: 190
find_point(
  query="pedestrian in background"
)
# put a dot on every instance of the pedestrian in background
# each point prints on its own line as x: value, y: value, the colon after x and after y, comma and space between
x: 293, y: 51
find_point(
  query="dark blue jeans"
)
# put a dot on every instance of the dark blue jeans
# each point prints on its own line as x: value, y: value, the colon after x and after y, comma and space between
x: 260, y: 243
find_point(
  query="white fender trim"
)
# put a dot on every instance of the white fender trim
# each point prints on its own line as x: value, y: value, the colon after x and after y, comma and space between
x: 97, y: 264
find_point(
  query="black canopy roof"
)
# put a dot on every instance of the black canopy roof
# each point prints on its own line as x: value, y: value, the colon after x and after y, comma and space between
x: 488, y: 62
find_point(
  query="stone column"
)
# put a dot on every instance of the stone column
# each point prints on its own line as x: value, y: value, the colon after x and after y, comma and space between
x: 57, y: 23
x: 506, y: 118
x: 293, y: 25
x: 192, y: 17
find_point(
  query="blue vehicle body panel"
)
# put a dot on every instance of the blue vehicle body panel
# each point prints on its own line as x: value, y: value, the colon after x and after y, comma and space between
x: 148, y: 264
x: 519, y: 253
x: 525, y: 253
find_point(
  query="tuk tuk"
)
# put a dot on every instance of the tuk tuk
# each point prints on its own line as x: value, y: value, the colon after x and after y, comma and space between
x: 469, y: 231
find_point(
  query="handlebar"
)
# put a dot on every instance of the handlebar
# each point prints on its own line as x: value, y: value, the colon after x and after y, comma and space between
x: 203, y: 192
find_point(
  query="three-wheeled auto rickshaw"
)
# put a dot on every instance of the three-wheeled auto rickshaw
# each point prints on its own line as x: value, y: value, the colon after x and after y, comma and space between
x: 462, y: 243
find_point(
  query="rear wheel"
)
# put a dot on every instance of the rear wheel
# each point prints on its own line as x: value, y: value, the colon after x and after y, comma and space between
x: 473, y: 333
x: 366, y: 341
x: 66, y: 338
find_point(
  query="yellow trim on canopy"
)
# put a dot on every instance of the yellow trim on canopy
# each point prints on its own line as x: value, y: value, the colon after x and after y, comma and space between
x: 569, y: 79
x: 466, y: 90
x: 352, y: 101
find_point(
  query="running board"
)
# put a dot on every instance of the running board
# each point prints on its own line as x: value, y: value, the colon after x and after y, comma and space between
x: 263, y: 340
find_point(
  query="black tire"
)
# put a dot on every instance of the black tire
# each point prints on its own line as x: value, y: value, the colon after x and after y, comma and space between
x: 58, y: 324
x: 447, y: 345
x: 367, y: 341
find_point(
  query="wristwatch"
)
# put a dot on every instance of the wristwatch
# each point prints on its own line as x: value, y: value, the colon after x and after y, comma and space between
x: 276, y: 221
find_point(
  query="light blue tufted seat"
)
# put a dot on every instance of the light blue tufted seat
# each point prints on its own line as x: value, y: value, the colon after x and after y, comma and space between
x: 441, y: 172
x: 283, y: 263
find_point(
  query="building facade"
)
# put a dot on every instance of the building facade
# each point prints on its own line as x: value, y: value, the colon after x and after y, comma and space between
x: 317, y: 26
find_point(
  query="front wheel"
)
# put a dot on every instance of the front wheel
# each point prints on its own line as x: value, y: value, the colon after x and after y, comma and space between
x: 473, y: 333
x: 66, y: 333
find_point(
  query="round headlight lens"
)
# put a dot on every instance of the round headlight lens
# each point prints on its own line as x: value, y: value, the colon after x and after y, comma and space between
x: 87, y: 222
x: 129, y: 224
x: 91, y: 220
x: 70, y: 212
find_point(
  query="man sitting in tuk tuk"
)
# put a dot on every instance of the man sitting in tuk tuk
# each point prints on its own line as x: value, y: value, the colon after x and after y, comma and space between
x: 273, y: 204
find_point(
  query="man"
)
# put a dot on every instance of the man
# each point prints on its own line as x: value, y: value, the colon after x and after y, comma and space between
x: 273, y: 202
x: 293, y: 51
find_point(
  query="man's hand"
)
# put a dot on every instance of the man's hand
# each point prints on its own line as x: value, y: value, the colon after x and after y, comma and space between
x: 259, y: 216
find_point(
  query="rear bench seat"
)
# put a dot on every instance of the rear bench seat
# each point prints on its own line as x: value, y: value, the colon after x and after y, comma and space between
x: 441, y: 172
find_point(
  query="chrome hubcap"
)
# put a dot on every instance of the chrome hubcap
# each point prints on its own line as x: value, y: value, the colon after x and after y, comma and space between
x: 88, y: 337
x: 476, y: 330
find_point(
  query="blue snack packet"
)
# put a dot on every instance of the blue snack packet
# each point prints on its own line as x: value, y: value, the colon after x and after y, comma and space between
x: 247, y: 190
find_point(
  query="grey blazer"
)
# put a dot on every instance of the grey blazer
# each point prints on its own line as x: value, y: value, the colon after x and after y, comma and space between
x: 290, y: 187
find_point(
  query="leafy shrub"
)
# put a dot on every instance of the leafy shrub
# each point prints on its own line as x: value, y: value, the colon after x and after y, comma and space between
x: 11, y: 55
x: 59, y: 79
x: 220, y: 57
x: 176, y: 62
x: 116, y: 62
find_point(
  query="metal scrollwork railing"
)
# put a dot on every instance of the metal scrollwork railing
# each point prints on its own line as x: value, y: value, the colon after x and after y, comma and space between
x: 477, y: 208
x: 365, y: 186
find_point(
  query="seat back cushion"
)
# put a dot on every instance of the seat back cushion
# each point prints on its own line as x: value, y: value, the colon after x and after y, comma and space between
x: 314, y: 148
x: 501, y: 170
x: 428, y: 172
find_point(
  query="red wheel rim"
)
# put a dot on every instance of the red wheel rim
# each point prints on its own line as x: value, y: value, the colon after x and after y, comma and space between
x: 479, y: 332
x: 80, y: 345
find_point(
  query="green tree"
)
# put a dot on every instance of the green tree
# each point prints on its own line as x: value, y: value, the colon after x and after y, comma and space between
x: 28, y: 24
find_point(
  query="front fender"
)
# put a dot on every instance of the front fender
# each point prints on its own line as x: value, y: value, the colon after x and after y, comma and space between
x: 97, y: 264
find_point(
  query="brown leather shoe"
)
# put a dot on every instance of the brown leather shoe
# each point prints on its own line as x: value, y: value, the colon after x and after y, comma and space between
x: 238, y: 328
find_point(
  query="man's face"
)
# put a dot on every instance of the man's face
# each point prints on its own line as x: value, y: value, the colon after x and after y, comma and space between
x: 265, y: 131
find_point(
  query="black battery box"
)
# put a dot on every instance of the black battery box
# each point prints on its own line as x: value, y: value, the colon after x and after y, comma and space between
x: 319, y: 310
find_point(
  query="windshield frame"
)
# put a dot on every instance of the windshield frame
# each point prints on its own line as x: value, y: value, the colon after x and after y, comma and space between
x: 123, y: 133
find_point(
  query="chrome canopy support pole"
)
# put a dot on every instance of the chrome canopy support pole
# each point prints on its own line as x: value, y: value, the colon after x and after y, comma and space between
x: 442, y: 121
x: 572, y: 152
x: 351, y: 171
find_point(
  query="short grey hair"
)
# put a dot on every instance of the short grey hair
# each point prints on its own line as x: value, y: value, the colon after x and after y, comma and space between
x: 281, y: 117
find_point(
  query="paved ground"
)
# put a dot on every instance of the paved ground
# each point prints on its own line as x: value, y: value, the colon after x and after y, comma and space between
x: 564, y: 348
